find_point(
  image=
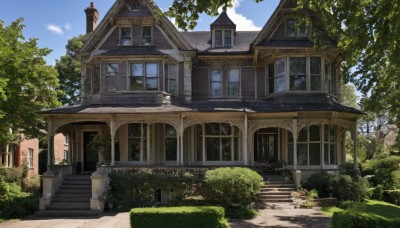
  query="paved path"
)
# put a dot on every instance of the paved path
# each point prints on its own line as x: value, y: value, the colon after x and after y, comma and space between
x: 277, y: 217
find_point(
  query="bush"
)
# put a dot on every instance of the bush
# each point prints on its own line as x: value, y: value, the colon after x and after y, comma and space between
x: 178, y: 217
x: 354, y: 219
x: 14, y: 203
x: 386, y: 171
x: 391, y: 196
x: 320, y: 182
x: 11, y: 175
x: 31, y: 184
x: 241, y: 213
x: 344, y: 187
x: 234, y: 185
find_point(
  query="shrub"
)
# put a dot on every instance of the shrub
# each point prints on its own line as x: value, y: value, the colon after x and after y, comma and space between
x: 344, y: 187
x: 391, y: 196
x: 178, y: 217
x: 320, y: 182
x: 14, y: 203
x: 386, y: 171
x: 31, y: 184
x: 241, y: 213
x: 11, y: 175
x: 234, y: 185
x: 354, y: 219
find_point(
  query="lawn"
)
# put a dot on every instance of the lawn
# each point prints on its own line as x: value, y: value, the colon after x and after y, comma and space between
x: 371, y: 209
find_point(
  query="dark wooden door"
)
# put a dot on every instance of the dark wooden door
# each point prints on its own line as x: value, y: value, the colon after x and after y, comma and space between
x: 90, y: 158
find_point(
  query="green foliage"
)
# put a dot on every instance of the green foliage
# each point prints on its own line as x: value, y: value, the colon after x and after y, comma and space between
x: 11, y: 175
x: 343, y: 186
x: 178, y: 217
x: 69, y: 71
x: 367, y: 214
x: 391, y: 196
x: 241, y: 212
x: 27, y: 84
x: 348, y: 95
x: 128, y: 190
x: 234, y: 185
x: 386, y: 171
x: 14, y: 203
x: 328, y: 211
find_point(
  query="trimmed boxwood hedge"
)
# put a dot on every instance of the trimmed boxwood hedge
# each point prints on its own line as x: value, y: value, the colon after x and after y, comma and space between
x: 205, y: 216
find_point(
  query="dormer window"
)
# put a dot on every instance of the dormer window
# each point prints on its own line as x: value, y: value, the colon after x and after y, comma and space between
x: 146, y: 35
x: 134, y: 5
x: 126, y: 36
x: 223, y: 38
x: 295, y: 32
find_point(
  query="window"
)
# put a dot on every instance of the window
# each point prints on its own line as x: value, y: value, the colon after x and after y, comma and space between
x: 329, y: 145
x: 328, y: 76
x: 96, y: 79
x: 65, y: 154
x: 134, y: 5
x: 233, y: 82
x: 309, y: 145
x: 126, y: 36
x: 146, y: 35
x: 65, y: 140
x: 144, y: 76
x: 315, y: 74
x: 216, y: 83
x: 294, y: 31
x: 297, y: 73
x: 30, y: 158
x: 170, y: 143
x: 171, y: 78
x: 276, y: 76
x: 222, y: 142
x: 223, y: 38
x: 111, y: 76
x: 137, y: 141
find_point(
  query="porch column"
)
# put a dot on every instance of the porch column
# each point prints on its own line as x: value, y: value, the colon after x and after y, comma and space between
x: 69, y: 148
x: 181, y: 140
x: 50, y: 145
x: 354, y: 135
x: 322, y: 160
x: 112, y: 135
x: 295, y: 134
x: 245, y: 158
x: 343, y: 151
x: 6, y: 155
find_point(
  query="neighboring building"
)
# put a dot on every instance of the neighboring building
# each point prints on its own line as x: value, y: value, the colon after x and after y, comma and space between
x: 389, y: 136
x: 14, y: 154
x: 213, y: 98
x: 61, y: 149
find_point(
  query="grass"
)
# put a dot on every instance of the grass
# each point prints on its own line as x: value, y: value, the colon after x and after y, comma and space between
x: 374, y: 208
x: 328, y: 211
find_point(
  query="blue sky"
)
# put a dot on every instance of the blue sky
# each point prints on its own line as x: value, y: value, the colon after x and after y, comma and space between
x: 53, y: 22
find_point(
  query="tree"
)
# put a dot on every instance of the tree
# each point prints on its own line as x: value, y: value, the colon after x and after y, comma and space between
x: 27, y: 84
x: 348, y: 95
x: 69, y: 71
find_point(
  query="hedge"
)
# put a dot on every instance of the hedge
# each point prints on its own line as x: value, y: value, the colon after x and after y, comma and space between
x: 353, y: 219
x: 164, y: 217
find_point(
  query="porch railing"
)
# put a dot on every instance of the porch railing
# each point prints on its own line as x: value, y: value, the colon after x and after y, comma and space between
x: 162, y: 170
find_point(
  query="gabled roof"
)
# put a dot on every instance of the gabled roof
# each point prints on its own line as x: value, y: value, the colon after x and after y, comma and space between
x: 103, y: 27
x: 223, y: 20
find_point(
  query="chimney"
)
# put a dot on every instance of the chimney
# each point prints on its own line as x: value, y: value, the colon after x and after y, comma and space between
x: 92, y: 15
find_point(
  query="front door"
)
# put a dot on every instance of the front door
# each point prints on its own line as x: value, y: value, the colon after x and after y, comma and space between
x: 266, y: 145
x: 90, y: 158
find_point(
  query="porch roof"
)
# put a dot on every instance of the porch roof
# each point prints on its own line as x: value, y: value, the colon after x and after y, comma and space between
x: 273, y: 104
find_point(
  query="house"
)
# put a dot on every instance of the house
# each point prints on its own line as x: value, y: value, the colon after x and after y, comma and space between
x: 170, y: 99
x: 15, y: 154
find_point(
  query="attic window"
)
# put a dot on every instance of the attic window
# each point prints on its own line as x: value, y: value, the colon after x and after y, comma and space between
x: 146, y: 35
x: 126, y: 38
x: 223, y: 38
x: 292, y: 31
x: 134, y: 5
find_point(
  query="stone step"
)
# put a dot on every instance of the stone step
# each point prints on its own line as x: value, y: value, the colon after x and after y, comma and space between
x: 286, y: 193
x: 276, y: 189
x: 82, y: 186
x: 277, y: 201
x: 274, y: 197
x: 279, y: 185
x: 67, y: 213
x: 74, y: 190
x: 70, y: 200
x: 278, y: 182
x: 73, y: 195
x: 76, y: 182
x: 77, y: 177
x: 68, y: 206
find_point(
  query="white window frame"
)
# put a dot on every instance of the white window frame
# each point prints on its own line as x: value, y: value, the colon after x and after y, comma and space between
x: 111, y: 77
x: 232, y: 136
x: 223, y: 44
x: 166, y: 137
x: 168, y: 78
x: 151, y: 35
x: 221, y: 82
x: 121, y: 37
x: 144, y: 76
x: 144, y: 137
x: 228, y: 82
x: 330, y: 143
x: 30, y: 158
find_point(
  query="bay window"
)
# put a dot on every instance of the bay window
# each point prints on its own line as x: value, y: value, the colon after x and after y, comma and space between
x: 171, y: 78
x: 111, y: 76
x: 96, y: 79
x: 297, y: 73
x: 137, y: 142
x: 144, y: 77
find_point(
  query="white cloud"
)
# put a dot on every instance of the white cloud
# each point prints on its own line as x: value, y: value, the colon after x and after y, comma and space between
x: 67, y: 27
x: 242, y: 22
x: 55, y: 29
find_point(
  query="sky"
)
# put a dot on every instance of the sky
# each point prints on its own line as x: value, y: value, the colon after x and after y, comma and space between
x: 53, y: 22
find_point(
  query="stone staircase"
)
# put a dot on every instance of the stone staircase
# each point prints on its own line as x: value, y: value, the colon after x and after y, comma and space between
x: 72, y: 199
x: 277, y: 190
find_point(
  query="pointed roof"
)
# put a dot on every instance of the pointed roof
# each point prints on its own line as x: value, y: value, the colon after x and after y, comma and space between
x: 223, y: 20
